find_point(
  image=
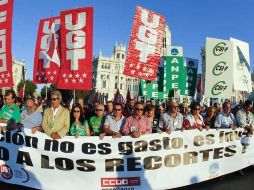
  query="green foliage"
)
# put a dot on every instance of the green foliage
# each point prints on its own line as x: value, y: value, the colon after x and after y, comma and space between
x: 29, y: 89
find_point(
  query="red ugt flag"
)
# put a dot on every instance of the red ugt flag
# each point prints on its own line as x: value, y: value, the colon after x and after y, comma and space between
x: 145, y: 45
x: 47, y: 55
x: 6, y: 9
x: 76, y: 49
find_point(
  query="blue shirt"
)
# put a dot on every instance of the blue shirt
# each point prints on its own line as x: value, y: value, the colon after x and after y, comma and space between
x: 223, y: 120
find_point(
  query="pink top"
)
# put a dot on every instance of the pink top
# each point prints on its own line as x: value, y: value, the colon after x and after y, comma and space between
x: 132, y: 124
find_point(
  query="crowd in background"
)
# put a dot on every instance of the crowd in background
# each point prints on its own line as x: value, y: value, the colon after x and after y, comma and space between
x: 115, y: 119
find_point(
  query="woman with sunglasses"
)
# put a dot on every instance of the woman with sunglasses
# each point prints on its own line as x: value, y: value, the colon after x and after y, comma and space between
x: 79, y: 126
x: 194, y: 120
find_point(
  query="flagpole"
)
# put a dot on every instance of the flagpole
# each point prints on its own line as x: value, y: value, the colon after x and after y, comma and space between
x: 73, y: 97
x: 46, y: 91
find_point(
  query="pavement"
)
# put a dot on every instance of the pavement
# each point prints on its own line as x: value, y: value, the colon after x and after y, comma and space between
x: 233, y: 181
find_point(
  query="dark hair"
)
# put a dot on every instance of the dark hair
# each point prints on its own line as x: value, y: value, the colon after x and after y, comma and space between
x: 224, y: 105
x: 10, y: 92
x: 193, y: 105
x: 18, y: 99
x: 149, y: 108
x: 81, y: 118
x: 117, y: 104
x: 247, y: 103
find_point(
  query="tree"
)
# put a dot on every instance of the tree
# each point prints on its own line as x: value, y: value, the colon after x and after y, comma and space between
x: 29, y: 89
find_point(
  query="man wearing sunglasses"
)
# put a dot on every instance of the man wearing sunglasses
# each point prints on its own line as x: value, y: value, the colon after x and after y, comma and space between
x: 56, y: 119
x: 137, y: 124
x: 114, y: 123
x: 10, y: 113
x: 96, y: 122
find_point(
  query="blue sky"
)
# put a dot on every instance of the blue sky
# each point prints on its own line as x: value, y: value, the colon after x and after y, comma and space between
x: 190, y: 21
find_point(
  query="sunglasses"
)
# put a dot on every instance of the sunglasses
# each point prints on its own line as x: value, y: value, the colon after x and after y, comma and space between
x: 98, y: 110
x: 54, y: 99
x: 117, y: 109
x: 139, y: 109
x: 77, y: 111
x: 197, y: 109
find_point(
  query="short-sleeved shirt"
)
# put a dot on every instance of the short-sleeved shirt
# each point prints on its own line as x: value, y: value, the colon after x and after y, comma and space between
x: 223, y: 120
x: 78, y: 129
x: 243, y: 119
x: 32, y: 120
x: 96, y: 125
x: 169, y: 122
x: 10, y: 113
x: 116, y: 126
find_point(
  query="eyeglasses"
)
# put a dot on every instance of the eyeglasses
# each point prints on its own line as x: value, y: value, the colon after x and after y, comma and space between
x: 117, y: 109
x: 197, y: 109
x: 77, y: 111
x: 98, y: 110
x: 139, y: 109
x: 54, y: 99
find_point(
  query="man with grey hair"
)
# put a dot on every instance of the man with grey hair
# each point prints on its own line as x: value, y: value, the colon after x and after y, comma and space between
x: 171, y: 120
x: 56, y: 119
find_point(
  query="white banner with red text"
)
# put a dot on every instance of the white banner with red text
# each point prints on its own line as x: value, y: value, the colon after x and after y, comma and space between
x: 145, y: 45
x: 156, y: 161
x: 6, y: 9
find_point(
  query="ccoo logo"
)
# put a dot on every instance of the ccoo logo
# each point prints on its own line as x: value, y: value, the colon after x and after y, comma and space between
x: 219, y: 87
x: 220, y: 48
x: 219, y: 68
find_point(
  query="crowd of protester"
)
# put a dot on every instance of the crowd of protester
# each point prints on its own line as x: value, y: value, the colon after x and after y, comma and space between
x: 115, y: 119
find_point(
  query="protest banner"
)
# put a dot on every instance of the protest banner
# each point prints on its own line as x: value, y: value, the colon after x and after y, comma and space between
x: 188, y: 157
x: 6, y: 9
x: 76, y: 49
x: 219, y: 68
x: 47, y: 51
x: 145, y: 44
x: 241, y: 66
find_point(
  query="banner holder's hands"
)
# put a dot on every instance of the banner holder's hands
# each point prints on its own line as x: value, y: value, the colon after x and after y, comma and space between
x: 135, y: 134
x: 55, y: 136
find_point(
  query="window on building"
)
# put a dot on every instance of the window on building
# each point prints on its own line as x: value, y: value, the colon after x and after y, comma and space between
x: 121, y: 86
x: 115, y: 85
x: 104, y: 84
x: 122, y: 56
x: 118, y: 55
x: 107, y: 76
x: 116, y: 77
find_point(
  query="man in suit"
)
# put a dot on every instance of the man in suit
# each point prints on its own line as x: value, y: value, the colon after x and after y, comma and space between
x: 56, y: 119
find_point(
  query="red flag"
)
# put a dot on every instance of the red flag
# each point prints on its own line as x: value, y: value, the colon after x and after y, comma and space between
x: 6, y: 9
x: 76, y: 49
x: 145, y: 45
x: 199, y: 85
x: 22, y: 91
x: 128, y: 95
x: 117, y: 97
x: 47, y: 56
